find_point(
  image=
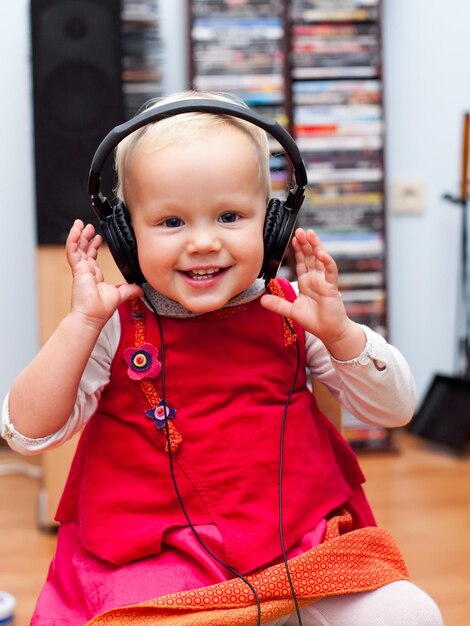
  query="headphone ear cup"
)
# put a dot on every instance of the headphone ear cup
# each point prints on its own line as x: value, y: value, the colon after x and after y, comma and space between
x: 271, y: 236
x: 119, y: 235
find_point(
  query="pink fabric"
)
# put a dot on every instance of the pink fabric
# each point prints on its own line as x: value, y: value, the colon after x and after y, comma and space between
x: 80, y: 586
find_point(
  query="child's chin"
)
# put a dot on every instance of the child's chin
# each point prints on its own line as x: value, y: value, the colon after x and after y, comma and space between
x: 204, y: 304
x: 203, y: 308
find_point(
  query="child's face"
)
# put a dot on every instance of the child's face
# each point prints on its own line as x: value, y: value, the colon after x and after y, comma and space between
x: 198, y: 211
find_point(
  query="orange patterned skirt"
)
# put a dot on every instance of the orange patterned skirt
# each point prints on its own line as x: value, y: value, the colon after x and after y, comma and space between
x: 348, y: 561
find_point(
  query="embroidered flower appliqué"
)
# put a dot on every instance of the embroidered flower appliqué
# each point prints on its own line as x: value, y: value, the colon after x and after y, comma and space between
x: 158, y: 414
x: 143, y: 361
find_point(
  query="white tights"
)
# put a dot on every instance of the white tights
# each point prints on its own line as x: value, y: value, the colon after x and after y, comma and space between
x: 397, y: 604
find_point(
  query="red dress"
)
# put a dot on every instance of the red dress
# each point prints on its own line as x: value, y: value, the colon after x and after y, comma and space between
x: 227, y: 378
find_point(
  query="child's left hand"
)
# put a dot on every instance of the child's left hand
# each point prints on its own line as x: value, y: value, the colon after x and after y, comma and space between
x: 319, y: 308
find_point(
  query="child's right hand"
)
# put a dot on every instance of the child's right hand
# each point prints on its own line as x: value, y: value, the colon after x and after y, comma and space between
x: 92, y: 298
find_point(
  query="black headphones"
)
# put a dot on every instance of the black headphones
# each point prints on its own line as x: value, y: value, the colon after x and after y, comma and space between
x: 281, y: 216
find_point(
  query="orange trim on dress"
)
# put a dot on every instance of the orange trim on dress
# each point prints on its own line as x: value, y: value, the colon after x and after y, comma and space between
x: 348, y: 561
x: 287, y: 324
x: 146, y: 384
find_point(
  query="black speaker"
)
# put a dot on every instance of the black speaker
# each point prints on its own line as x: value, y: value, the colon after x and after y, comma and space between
x: 77, y: 93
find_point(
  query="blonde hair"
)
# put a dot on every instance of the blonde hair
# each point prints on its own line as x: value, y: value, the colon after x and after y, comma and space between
x: 185, y: 127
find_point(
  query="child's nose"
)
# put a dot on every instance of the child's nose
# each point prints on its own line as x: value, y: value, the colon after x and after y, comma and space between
x: 204, y: 239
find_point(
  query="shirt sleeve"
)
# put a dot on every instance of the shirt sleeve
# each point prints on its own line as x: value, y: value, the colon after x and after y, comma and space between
x: 377, y: 386
x: 95, y: 377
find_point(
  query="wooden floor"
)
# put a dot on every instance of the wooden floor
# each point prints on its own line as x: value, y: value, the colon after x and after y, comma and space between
x: 420, y: 494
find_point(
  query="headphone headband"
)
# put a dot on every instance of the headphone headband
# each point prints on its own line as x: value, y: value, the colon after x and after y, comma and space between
x: 280, y: 219
x: 199, y: 105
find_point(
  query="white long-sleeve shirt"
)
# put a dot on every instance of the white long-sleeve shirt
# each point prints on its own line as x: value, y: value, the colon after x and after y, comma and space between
x: 377, y: 386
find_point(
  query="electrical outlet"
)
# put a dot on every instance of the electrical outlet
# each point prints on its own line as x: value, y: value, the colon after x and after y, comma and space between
x: 407, y: 196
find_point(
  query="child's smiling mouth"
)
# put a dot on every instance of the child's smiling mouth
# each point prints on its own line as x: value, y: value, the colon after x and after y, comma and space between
x: 204, y: 274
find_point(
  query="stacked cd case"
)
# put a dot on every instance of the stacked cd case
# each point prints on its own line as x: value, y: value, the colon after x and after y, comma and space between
x: 338, y: 122
x: 239, y: 47
x: 315, y: 66
x: 141, y: 53
x: 337, y: 116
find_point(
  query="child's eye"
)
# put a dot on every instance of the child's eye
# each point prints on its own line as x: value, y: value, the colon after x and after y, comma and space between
x: 228, y: 218
x: 172, y: 222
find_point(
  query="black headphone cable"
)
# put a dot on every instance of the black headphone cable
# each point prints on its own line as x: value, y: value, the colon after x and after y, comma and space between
x: 175, y: 483
x: 281, y: 468
x: 281, y: 465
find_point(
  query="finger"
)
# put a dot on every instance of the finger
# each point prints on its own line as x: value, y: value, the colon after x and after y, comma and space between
x: 128, y: 291
x: 299, y: 236
x: 318, y: 251
x: 73, y: 239
x: 309, y: 246
x: 298, y: 242
x: 96, y: 241
x: 94, y: 246
x: 330, y: 268
x: 86, y: 237
x: 312, y: 236
x: 276, y: 305
x: 75, y: 231
x: 300, y: 264
x: 314, y: 241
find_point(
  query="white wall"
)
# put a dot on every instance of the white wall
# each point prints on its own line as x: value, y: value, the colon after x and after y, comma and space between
x: 426, y: 50
x: 174, y: 37
x: 18, y: 320
x: 427, y: 90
